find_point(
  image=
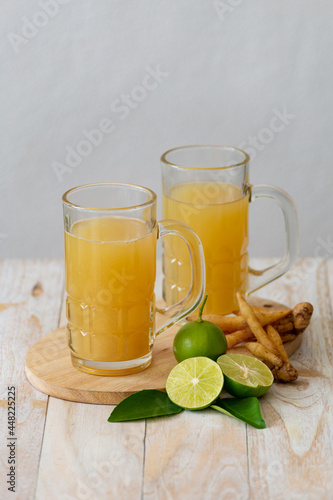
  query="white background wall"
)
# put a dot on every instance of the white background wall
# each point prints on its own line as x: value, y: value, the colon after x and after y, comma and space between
x: 229, y: 66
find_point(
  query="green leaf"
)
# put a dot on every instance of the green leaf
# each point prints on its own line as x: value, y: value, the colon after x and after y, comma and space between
x: 245, y: 409
x: 144, y: 404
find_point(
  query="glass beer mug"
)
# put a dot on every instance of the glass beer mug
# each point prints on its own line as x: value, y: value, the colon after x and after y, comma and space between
x: 207, y: 187
x: 110, y: 260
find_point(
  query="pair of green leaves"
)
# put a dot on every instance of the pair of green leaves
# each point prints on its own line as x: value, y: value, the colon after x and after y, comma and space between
x: 152, y: 403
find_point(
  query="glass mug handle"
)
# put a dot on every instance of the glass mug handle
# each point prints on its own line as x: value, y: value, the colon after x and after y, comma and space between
x: 260, y: 278
x: 197, y: 289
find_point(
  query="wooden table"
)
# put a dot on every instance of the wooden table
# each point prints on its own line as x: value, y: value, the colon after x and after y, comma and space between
x: 69, y: 451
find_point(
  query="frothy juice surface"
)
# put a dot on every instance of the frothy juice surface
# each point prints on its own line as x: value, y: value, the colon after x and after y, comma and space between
x: 218, y: 213
x: 110, y: 277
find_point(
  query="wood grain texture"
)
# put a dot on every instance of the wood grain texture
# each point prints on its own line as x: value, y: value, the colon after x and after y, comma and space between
x: 330, y: 281
x: 86, y: 457
x: 22, y: 322
x: 293, y: 457
x: 191, y: 455
x: 48, y: 367
x: 95, y: 459
x: 196, y: 455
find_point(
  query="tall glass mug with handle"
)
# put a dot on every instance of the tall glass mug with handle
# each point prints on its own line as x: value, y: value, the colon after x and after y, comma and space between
x: 110, y: 259
x: 207, y: 187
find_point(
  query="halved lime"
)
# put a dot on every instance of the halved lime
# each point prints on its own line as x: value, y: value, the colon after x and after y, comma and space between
x: 195, y: 383
x: 245, y: 376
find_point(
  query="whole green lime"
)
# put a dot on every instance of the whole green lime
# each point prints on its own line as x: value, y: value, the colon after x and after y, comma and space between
x: 199, y: 338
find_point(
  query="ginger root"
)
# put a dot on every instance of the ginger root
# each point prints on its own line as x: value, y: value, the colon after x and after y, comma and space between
x: 285, y: 373
x: 302, y: 315
x: 274, y: 336
x: 288, y: 338
x: 269, y: 346
x: 259, y: 351
x: 235, y: 338
x: 297, y: 321
x: 280, y: 327
x: 293, y: 322
x: 235, y: 323
x: 254, y: 324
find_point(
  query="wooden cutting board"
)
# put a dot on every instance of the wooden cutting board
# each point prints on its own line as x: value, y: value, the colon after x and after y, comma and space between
x: 49, y: 368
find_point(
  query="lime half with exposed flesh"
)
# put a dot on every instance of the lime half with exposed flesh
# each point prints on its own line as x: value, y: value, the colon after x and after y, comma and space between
x: 195, y: 383
x: 245, y: 376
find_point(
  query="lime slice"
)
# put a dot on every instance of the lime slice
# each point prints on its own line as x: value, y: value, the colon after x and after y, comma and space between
x: 195, y: 383
x: 245, y: 376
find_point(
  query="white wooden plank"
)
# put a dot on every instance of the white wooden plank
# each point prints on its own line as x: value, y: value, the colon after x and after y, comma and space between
x: 330, y: 280
x: 203, y: 455
x: 96, y: 459
x: 164, y: 456
x: 196, y: 455
x: 293, y: 457
x: 23, y: 323
x: 85, y: 457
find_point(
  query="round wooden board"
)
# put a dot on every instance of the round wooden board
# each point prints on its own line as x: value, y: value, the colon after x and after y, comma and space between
x: 49, y: 368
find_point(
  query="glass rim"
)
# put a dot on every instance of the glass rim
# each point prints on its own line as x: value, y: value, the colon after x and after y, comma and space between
x: 212, y: 146
x: 148, y: 203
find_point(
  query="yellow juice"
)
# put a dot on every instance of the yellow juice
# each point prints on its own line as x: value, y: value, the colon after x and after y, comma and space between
x: 218, y: 213
x: 110, y: 277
